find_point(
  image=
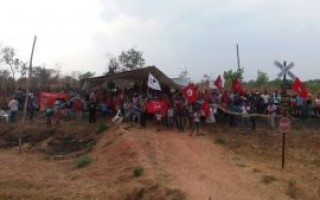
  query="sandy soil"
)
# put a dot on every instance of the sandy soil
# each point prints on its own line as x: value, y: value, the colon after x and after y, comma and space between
x: 195, y: 165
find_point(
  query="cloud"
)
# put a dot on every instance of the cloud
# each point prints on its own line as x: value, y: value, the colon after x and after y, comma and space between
x: 173, y: 34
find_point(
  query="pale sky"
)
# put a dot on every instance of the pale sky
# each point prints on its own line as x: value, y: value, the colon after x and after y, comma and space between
x: 199, y: 36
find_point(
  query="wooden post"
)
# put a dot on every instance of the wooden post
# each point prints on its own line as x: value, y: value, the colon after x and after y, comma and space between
x: 27, y: 93
x: 284, y: 113
x: 283, y: 150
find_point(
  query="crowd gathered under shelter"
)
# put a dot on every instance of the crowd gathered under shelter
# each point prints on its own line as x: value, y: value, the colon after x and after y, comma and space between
x: 176, y: 110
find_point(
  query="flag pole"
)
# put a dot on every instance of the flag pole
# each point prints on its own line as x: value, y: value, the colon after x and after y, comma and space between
x: 238, y: 58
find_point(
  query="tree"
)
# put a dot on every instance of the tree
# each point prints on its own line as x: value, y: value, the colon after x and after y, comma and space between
x: 113, y: 65
x: 8, y: 57
x: 231, y: 75
x: 131, y: 59
x: 262, y: 79
x: 87, y: 74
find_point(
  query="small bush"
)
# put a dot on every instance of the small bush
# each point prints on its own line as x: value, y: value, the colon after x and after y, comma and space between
x: 101, y: 127
x: 83, y: 161
x: 138, y: 171
x: 90, y: 144
x: 267, y: 179
x: 220, y: 141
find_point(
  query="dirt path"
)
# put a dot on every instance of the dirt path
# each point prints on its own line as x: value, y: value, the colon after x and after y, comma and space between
x: 196, y: 165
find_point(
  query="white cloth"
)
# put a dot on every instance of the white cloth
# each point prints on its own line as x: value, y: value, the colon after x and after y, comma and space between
x: 4, y: 114
x: 118, y: 118
x: 13, y: 105
x: 210, y: 118
x: 153, y: 83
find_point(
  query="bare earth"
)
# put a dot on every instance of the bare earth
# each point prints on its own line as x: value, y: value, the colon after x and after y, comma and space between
x: 195, y: 165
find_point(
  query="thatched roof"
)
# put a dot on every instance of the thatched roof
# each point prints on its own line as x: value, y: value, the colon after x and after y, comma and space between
x: 128, y: 78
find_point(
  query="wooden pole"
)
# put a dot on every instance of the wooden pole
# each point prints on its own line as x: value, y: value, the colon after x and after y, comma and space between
x: 283, y: 150
x: 29, y: 79
x: 238, y: 58
x: 27, y: 93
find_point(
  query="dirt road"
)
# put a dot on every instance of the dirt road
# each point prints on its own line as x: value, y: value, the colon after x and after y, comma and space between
x: 195, y: 165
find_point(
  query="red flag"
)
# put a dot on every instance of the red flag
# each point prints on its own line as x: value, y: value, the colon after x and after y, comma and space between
x: 205, y: 108
x: 190, y: 92
x: 218, y: 82
x: 299, y: 88
x: 237, y: 87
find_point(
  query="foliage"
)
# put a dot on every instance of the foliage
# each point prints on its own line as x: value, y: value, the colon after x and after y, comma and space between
x: 113, y: 65
x: 83, y: 161
x: 101, y: 127
x: 87, y: 74
x: 91, y: 144
x: 262, y: 79
x: 131, y: 59
x: 8, y: 58
x: 231, y: 75
x: 138, y: 171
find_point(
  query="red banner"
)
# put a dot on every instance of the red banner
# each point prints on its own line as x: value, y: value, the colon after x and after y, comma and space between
x: 48, y: 98
x: 156, y: 106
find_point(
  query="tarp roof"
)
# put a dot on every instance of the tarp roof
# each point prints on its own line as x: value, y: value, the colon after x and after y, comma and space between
x: 128, y: 78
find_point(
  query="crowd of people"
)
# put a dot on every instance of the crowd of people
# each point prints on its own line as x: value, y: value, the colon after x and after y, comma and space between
x: 176, y: 110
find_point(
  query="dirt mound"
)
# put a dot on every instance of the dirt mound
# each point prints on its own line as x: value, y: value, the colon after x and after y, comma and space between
x: 59, y: 139
x: 155, y: 192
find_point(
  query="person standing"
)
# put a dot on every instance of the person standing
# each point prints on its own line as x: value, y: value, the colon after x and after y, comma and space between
x: 180, y: 115
x: 196, y: 121
x: 272, y: 112
x: 31, y: 107
x: 143, y: 110
x: 170, y: 118
x: 265, y: 96
x: 245, y: 109
x: 92, y: 111
x: 78, y: 108
x: 317, y: 106
x: 14, y: 107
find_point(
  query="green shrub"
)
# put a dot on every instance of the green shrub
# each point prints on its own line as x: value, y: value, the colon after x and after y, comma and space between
x: 138, y: 171
x: 83, y: 161
x: 101, y: 127
x: 90, y: 144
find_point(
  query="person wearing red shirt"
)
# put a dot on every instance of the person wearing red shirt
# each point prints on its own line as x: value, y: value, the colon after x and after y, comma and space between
x: 78, y: 107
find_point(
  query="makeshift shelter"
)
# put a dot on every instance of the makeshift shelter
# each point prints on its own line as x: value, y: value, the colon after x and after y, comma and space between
x: 127, y: 79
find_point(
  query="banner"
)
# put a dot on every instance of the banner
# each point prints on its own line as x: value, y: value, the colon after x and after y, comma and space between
x: 48, y: 98
x: 156, y: 106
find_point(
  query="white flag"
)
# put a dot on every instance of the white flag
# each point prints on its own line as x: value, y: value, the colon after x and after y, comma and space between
x: 153, y: 83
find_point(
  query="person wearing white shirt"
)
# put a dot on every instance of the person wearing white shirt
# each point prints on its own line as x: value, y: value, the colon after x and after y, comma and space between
x: 13, y: 106
x: 265, y: 96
